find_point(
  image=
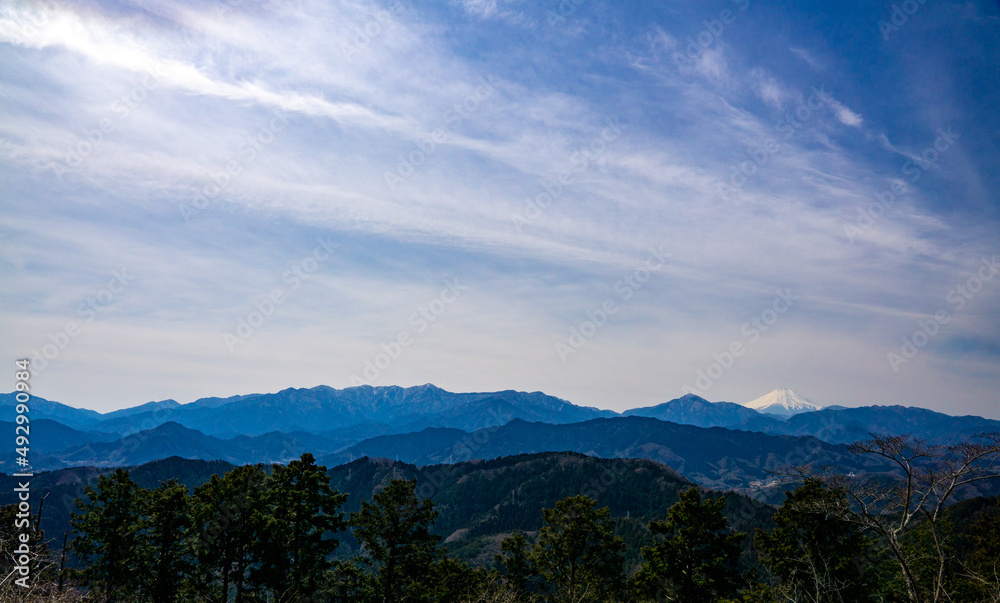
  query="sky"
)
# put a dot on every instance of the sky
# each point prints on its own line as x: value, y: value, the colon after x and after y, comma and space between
x: 613, y: 202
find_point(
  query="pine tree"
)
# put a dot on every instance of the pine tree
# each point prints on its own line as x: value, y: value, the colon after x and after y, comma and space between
x: 109, y: 539
x: 816, y: 556
x: 515, y: 565
x: 301, y: 510
x: 228, y: 513
x: 169, y: 536
x: 577, y: 556
x: 452, y: 581
x: 696, y: 558
x: 394, y: 531
x: 983, y: 566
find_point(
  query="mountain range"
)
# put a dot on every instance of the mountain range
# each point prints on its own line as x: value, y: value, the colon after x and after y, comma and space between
x: 695, y: 410
x: 717, y: 444
x: 715, y: 457
x: 324, y: 408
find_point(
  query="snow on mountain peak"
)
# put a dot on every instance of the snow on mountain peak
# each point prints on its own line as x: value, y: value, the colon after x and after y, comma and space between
x: 784, y: 402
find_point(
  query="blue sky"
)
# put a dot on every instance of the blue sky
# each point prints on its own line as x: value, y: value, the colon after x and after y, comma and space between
x: 611, y: 202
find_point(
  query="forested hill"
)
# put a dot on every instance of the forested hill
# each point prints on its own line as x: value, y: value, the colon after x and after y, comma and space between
x: 478, y: 501
x: 61, y: 488
x: 715, y: 457
x: 273, y: 530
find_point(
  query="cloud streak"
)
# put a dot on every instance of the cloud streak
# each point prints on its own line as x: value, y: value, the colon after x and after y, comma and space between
x: 374, y: 90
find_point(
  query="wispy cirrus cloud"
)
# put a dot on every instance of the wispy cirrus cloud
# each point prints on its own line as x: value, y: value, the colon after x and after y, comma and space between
x: 475, y: 122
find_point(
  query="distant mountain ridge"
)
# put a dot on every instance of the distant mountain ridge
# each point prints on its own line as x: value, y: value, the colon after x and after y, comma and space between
x: 323, y: 420
x: 845, y: 425
x: 324, y: 408
x: 168, y: 440
x: 48, y: 435
x: 695, y: 410
x: 77, y: 418
x: 147, y: 407
x: 714, y: 457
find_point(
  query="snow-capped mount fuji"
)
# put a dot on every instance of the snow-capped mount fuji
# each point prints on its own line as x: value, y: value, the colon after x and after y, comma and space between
x: 782, y: 402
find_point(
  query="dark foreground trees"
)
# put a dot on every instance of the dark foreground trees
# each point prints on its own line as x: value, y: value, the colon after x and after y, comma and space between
x: 245, y: 536
x: 906, y: 514
x: 814, y: 554
x: 696, y: 557
x: 577, y: 557
x: 113, y: 544
x: 252, y: 536
x: 27, y: 569
x: 299, y: 515
x: 394, y: 530
x: 981, y: 571
x: 271, y: 534
x: 229, y: 513
x: 167, y: 530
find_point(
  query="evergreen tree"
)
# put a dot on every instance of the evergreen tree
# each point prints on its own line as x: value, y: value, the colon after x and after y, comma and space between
x: 302, y: 514
x: 168, y: 552
x: 228, y: 513
x: 515, y: 565
x: 452, y: 581
x: 983, y: 567
x: 109, y: 539
x: 696, y: 558
x: 394, y: 531
x: 577, y: 556
x: 348, y: 582
x: 817, y: 556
